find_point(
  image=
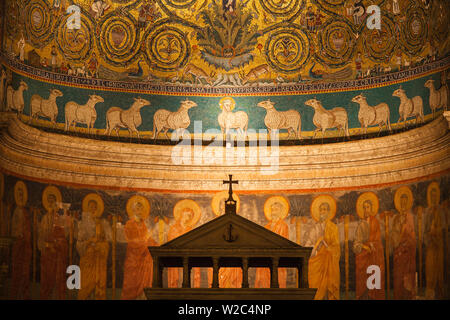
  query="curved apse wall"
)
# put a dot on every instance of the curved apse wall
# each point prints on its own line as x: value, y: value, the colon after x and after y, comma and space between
x: 166, y: 52
x: 170, y: 51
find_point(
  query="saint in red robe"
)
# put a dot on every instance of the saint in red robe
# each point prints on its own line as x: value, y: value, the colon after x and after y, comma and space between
x: 404, y: 239
x: 138, y: 267
x: 21, y: 254
x: 368, y: 250
x: 54, y: 262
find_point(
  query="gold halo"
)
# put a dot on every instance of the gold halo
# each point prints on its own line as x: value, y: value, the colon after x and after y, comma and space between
x: 137, y: 198
x: 227, y: 98
x: 100, y: 204
x: 47, y: 191
x: 187, y: 203
x: 434, y: 185
x: 222, y: 196
x: 373, y: 198
x: 23, y: 186
x: 317, y: 201
x: 2, y: 185
x: 400, y: 191
x: 272, y: 200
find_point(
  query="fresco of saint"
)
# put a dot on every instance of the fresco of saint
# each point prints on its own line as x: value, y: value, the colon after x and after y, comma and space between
x: 323, y: 268
x: 367, y: 246
x: 53, y: 246
x: 93, y: 247
x: 404, y: 245
x: 22, y: 247
x: 434, y: 241
x: 4, y: 217
x: 138, y: 267
x: 186, y: 213
x: 275, y: 209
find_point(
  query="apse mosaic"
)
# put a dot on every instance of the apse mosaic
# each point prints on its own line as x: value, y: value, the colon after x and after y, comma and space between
x: 224, y: 43
x: 103, y: 113
x: 92, y: 228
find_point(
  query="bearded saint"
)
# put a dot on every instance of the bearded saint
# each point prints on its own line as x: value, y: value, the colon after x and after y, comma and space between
x: 138, y: 267
x: 368, y: 250
x: 54, y: 249
x: 404, y: 243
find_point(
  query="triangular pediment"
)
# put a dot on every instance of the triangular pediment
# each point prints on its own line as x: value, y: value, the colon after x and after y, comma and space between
x: 230, y: 231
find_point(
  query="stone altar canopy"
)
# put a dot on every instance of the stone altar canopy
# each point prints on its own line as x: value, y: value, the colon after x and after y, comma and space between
x: 230, y: 241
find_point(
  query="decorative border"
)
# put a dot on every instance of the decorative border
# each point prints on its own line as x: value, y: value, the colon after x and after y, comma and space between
x: 173, y: 89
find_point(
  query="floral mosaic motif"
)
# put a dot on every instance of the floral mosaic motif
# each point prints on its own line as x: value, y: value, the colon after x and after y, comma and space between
x: 284, y: 8
x: 75, y: 44
x: 119, y: 39
x: 167, y: 49
x: 38, y: 13
x: 12, y: 18
x: 337, y: 43
x: 180, y: 4
x: 227, y: 39
x: 288, y: 50
x: 415, y: 30
x: 378, y: 43
x: 440, y: 15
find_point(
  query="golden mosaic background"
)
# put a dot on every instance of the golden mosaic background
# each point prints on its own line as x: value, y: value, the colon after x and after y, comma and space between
x: 210, y: 43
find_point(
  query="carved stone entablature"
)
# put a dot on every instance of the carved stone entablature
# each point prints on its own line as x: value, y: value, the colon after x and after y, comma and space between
x: 386, y: 160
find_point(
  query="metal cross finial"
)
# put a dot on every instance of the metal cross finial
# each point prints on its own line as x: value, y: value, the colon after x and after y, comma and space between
x: 230, y: 189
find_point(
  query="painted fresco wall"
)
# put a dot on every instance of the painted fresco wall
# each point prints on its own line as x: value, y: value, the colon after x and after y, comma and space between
x: 101, y: 219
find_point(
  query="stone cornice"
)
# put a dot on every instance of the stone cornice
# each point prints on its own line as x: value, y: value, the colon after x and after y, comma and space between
x: 30, y: 152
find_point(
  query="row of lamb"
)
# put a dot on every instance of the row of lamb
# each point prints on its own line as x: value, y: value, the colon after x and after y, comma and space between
x: 165, y: 120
